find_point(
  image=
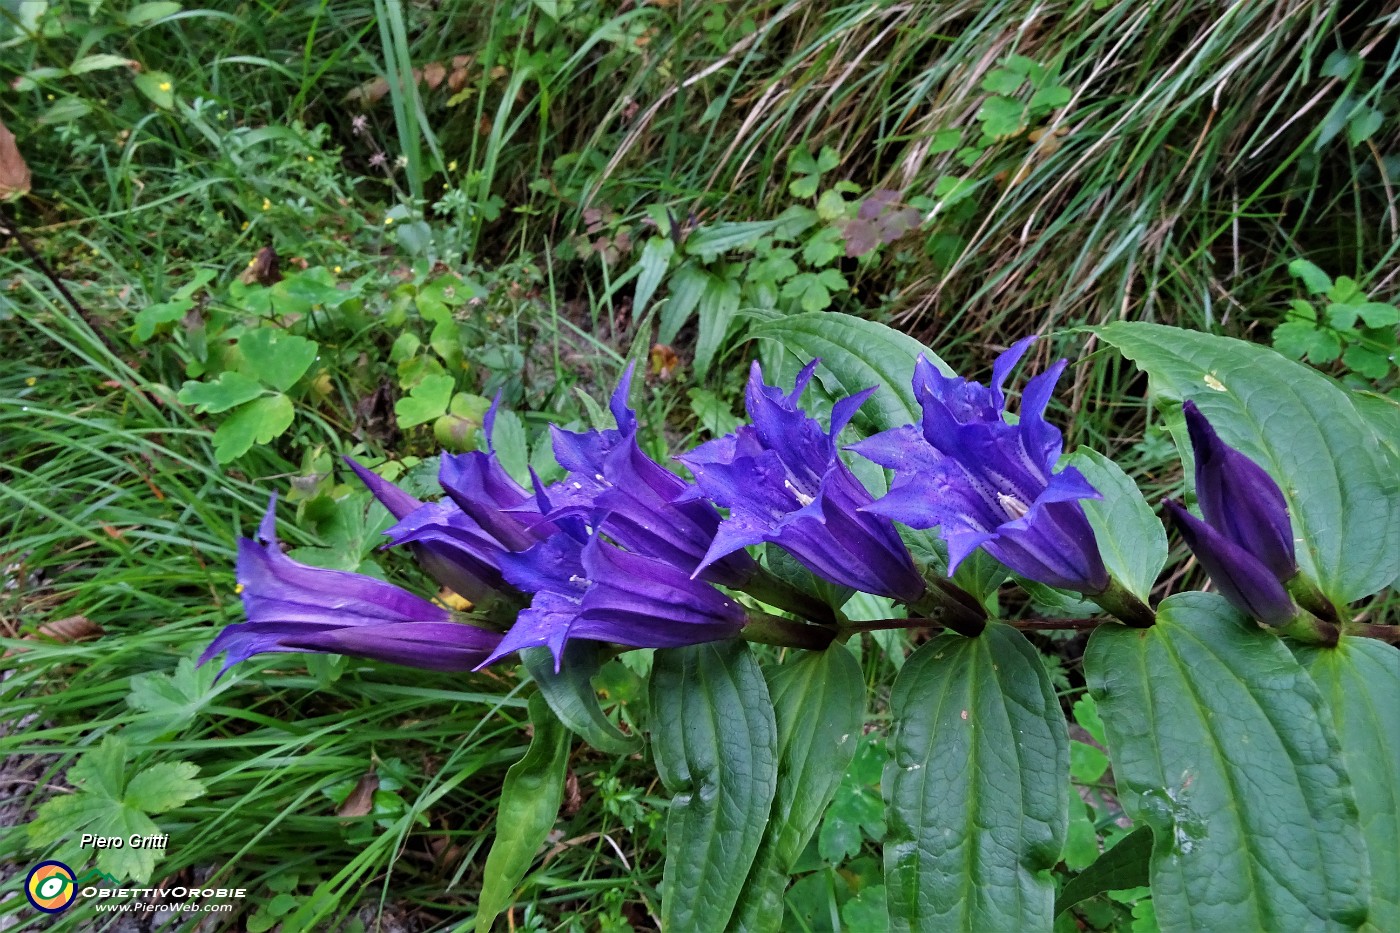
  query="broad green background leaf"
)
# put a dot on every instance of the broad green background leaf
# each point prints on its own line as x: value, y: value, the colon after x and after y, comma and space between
x: 1343, y: 493
x: 1123, y: 866
x: 257, y: 422
x: 1131, y: 538
x: 427, y: 401
x: 1222, y: 744
x: 1360, y: 680
x: 571, y: 695
x: 230, y: 390
x: 158, y: 87
x: 819, y: 703
x: 977, y: 789
x: 716, y: 746
x: 530, y: 799
x: 276, y: 358
x: 857, y: 354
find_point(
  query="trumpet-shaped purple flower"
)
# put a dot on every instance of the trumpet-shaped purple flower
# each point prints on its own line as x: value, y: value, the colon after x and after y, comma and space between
x: 985, y: 482
x: 591, y: 589
x: 294, y: 607
x: 1246, y: 540
x: 782, y: 482
x: 446, y: 542
x: 632, y: 499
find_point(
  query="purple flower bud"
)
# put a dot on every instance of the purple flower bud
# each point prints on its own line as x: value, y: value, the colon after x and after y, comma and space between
x: 1245, y: 542
x: 985, y: 482
x: 783, y: 482
x: 295, y: 607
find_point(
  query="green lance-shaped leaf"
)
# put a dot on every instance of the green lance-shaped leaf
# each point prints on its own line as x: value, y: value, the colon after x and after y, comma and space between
x: 1342, y: 490
x: 977, y: 789
x: 858, y: 354
x: 1360, y: 680
x: 530, y: 798
x: 571, y: 695
x: 819, y: 702
x: 716, y: 746
x: 1223, y: 745
x: 1123, y: 866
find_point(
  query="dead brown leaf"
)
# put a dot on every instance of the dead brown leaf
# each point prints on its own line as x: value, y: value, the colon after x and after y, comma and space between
x: 361, y: 799
x: 263, y: 269
x: 14, y: 171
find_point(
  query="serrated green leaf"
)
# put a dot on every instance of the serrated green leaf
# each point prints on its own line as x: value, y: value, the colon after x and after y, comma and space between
x: 819, y: 705
x: 229, y: 391
x: 258, y: 422
x: 127, y: 863
x: 823, y: 247
x: 427, y: 401
x: 279, y: 359
x: 715, y: 742
x: 164, y: 786
x: 1002, y: 117
x: 1003, y: 81
x: 1222, y: 745
x: 857, y: 354
x: 719, y: 303
x: 1086, y: 763
x: 571, y: 696
x: 977, y: 796
x: 804, y: 186
x: 1378, y: 314
x: 101, y: 771
x: 1343, y: 494
x: 1370, y: 363
x: 1123, y: 866
x: 1130, y: 537
x: 827, y: 159
x: 1313, y: 278
x: 1050, y: 98
x: 1086, y: 714
x: 530, y: 799
x: 1360, y: 682
x: 512, y: 446
x: 170, y: 701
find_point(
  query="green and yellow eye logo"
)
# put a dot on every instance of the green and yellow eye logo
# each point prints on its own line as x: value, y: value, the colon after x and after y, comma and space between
x: 51, y: 887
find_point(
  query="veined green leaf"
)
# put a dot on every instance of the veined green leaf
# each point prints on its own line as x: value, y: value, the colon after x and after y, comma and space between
x: 1130, y: 537
x: 1343, y: 493
x: 530, y: 799
x: 571, y: 695
x: 1123, y: 866
x: 819, y: 702
x: 857, y: 354
x: 716, y: 746
x: 977, y: 788
x: 1360, y: 680
x: 1223, y: 745
x: 719, y: 302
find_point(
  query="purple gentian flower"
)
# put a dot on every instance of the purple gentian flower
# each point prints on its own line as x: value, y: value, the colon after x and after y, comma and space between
x: 632, y: 499
x: 783, y: 482
x: 446, y: 542
x: 591, y: 589
x: 985, y: 482
x: 1246, y: 540
x: 295, y: 607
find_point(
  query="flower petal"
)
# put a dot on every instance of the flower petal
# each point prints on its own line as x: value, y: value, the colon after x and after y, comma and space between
x: 1243, y: 579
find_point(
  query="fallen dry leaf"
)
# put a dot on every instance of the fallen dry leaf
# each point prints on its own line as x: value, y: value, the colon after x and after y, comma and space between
x: 14, y: 171
x: 361, y: 799
x: 262, y: 269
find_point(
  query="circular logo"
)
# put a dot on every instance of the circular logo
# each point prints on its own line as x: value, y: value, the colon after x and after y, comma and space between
x: 50, y: 887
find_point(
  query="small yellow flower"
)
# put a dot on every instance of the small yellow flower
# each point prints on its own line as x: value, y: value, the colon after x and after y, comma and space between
x: 31, y: 380
x: 267, y: 205
x: 388, y: 221
x: 252, y: 262
x: 245, y: 226
x: 238, y: 588
x: 337, y: 270
x: 164, y: 85
x: 311, y: 158
x: 452, y: 166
